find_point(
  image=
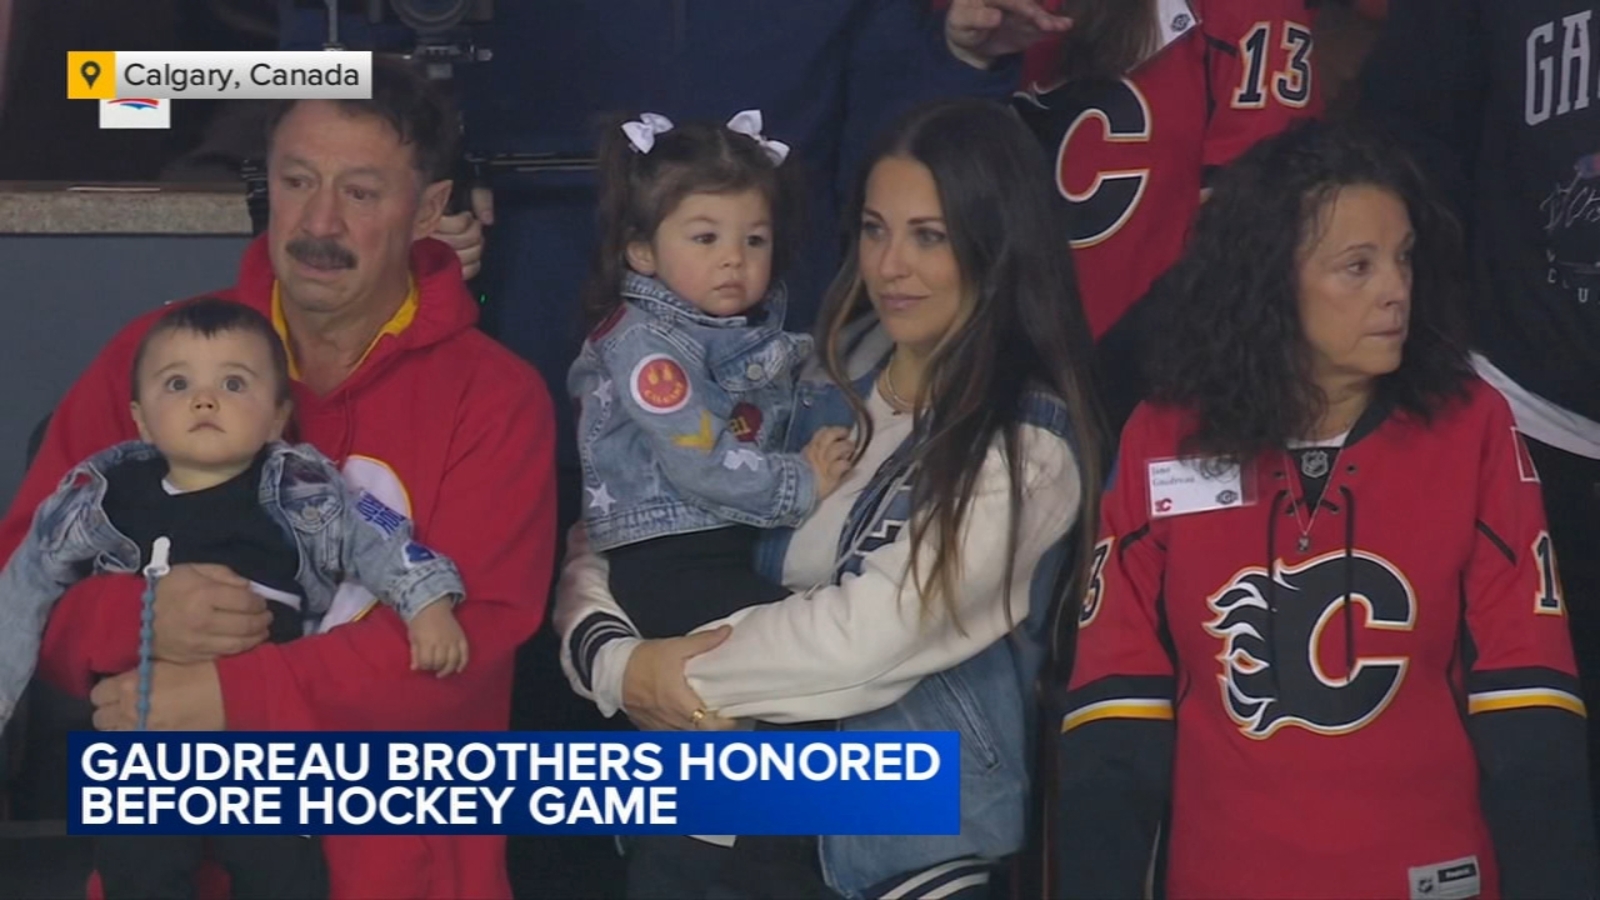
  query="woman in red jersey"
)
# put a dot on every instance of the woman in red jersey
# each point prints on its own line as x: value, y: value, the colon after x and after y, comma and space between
x: 1324, y: 635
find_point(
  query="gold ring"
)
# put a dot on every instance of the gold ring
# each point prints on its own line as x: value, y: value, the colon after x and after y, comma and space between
x: 697, y: 717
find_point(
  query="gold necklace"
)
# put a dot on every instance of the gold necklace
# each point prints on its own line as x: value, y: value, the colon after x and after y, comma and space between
x: 895, y: 400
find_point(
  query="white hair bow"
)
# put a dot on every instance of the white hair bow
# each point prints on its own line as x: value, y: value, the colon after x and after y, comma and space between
x: 642, y: 133
x: 749, y: 123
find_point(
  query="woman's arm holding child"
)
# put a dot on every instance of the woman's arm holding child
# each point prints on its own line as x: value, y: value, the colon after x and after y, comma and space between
x: 860, y: 645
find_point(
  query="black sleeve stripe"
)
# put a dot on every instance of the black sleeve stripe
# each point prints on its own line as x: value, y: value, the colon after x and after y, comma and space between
x: 586, y: 640
x: 1155, y: 686
x: 1119, y: 697
x: 1133, y: 537
x: 1164, y: 631
x: 1528, y: 688
x: 1499, y: 544
x: 1221, y: 45
x: 1530, y: 677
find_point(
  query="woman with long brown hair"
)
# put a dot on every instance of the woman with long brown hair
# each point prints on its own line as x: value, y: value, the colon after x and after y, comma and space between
x: 951, y: 342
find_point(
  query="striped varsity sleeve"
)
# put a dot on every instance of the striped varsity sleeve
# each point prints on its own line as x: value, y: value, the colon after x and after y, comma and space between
x: 1115, y: 750
x: 597, y: 637
x: 1525, y: 714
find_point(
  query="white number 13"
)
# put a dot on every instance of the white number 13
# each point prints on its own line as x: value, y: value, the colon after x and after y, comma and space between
x: 1292, y: 85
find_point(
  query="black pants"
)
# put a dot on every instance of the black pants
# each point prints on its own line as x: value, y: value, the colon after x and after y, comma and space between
x: 671, y: 585
x: 1572, y: 504
x: 271, y: 867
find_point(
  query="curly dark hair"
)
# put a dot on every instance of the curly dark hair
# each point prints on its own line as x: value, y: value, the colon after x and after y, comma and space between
x: 1227, y: 341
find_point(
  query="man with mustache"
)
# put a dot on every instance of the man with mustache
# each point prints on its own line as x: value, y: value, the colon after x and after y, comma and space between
x: 321, y: 253
x: 393, y: 383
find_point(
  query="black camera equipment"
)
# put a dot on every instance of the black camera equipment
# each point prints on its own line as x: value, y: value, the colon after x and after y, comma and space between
x: 432, y: 17
x: 441, y: 38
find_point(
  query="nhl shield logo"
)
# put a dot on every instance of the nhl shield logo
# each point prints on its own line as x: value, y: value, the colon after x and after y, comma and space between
x: 1315, y: 463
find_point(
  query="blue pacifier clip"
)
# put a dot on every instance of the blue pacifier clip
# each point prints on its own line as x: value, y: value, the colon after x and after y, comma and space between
x: 147, y: 623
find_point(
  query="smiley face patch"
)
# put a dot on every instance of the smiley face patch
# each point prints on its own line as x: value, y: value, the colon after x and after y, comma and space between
x: 660, y: 385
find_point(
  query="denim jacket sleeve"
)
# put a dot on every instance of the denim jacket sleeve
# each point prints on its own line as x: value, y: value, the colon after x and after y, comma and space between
x: 40, y: 570
x: 682, y: 412
x: 58, y: 551
x: 378, y: 549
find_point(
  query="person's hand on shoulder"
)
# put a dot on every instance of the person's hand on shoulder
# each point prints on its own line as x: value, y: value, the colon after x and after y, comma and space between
x: 978, y: 32
x: 463, y: 231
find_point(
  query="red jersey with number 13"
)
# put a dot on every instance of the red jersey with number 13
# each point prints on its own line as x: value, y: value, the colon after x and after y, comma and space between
x: 1130, y: 155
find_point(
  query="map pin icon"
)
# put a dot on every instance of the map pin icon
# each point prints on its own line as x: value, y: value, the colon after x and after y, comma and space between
x: 90, y: 71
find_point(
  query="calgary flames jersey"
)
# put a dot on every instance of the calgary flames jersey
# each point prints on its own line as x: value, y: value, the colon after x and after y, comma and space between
x: 1131, y: 154
x: 1371, y: 697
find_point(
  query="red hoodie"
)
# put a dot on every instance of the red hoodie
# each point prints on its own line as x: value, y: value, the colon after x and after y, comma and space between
x: 462, y: 430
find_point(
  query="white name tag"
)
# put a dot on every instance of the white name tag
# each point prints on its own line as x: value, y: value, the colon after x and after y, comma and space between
x: 1182, y: 486
x: 1458, y: 879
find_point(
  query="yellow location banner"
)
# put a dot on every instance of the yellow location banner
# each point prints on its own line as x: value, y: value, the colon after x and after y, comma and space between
x: 91, y: 75
x: 219, y: 75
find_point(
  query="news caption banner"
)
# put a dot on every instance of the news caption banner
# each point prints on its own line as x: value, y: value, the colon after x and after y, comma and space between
x: 319, y: 783
x: 135, y: 89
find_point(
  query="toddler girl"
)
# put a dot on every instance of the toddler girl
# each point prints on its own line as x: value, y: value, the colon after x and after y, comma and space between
x: 687, y: 381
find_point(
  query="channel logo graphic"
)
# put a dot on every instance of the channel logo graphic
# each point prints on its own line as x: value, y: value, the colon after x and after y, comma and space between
x: 136, y: 112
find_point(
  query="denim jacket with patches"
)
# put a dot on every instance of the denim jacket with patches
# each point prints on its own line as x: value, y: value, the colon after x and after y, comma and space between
x: 340, y: 535
x: 682, y: 416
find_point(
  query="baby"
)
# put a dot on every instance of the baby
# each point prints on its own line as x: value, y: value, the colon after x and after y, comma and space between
x: 211, y: 481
